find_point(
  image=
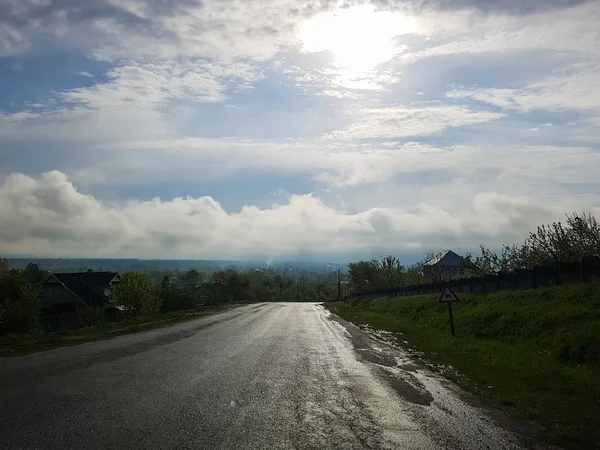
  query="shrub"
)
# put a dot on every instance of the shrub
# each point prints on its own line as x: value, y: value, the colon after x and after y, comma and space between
x: 138, y: 294
x: 175, y: 298
x: 20, y: 304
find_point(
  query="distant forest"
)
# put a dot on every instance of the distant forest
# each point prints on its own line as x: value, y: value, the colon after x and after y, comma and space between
x: 151, y: 265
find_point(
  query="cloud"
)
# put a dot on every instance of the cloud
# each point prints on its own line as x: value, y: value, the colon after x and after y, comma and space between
x: 570, y: 89
x: 48, y: 215
x: 571, y: 29
x: 135, y: 101
x: 485, y: 6
x: 403, y: 121
x: 209, y: 93
x: 143, y: 30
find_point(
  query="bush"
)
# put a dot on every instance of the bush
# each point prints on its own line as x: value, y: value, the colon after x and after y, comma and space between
x: 175, y: 298
x: 138, y: 294
x: 88, y: 316
x: 20, y: 304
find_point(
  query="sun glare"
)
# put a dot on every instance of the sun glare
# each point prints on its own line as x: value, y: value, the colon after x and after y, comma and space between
x: 359, y: 38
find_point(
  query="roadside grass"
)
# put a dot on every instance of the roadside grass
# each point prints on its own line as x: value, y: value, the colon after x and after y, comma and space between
x: 22, y: 344
x: 535, y: 352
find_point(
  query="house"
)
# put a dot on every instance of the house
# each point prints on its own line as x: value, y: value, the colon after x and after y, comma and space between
x: 211, y: 293
x: 63, y: 293
x: 445, y: 266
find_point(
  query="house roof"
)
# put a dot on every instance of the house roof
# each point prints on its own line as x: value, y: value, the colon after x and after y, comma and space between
x: 82, y: 284
x: 210, y: 286
x: 448, y: 256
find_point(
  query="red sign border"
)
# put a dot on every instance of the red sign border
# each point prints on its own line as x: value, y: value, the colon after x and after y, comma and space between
x: 442, y: 296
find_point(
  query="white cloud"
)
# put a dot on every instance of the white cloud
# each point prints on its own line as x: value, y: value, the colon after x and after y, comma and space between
x: 572, y: 29
x: 403, y: 121
x: 173, y: 62
x: 133, y: 103
x: 574, y: 88
x: 48, y: 215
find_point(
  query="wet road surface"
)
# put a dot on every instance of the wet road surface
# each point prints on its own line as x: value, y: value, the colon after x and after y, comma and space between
x: 266, y: 376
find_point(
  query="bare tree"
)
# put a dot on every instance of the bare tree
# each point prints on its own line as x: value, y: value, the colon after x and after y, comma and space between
x: 435, y: 269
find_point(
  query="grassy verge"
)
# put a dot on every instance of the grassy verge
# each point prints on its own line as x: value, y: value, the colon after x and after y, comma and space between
x: 22, y: 344
x: 535, y: 352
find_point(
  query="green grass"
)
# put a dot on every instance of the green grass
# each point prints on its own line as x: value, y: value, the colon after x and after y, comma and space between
x: 539, y: 350
x: 22, y: 344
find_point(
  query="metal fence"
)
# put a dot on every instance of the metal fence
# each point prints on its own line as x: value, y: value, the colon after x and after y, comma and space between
x: 586, y: 271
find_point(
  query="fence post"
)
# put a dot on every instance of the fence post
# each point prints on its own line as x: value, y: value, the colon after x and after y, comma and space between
x: 498, y: 281
x: 535, y: 278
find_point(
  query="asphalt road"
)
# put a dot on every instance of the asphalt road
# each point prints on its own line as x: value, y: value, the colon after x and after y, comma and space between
x: 267, y: 376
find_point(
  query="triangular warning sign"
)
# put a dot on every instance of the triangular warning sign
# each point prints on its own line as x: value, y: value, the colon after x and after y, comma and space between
x: 448, y: 296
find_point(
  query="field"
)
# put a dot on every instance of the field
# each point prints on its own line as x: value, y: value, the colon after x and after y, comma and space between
x: 535, y: 352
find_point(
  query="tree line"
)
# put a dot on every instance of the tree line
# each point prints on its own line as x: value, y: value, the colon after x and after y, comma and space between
x: 549, y: 245
x: 22, y: 303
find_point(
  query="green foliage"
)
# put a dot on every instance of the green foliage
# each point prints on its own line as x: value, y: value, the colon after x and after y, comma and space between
x: 175, y: 298
x: 192, y: 277
x: 138, y: 294
x: 549, y: 245
x: 538, y: 349
x: 86, y: 316
x: 553, y: 318
x: 4, y: 265
x: 237, y: 283
x: 385, y: 274
x: 20, y: 303
x: 34, y: 274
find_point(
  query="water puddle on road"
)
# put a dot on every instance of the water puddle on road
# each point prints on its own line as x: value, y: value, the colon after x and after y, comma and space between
x: 442, y: 410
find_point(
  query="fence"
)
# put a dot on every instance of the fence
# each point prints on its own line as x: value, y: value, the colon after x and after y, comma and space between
x: 572, y: 273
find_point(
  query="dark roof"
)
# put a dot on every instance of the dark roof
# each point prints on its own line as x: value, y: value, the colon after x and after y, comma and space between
x: 210, y: 289
x: 82, y: 283
x: 98, y: 278
x: 210, y: 286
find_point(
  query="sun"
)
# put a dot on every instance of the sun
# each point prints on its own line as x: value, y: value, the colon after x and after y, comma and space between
x: 359, y: 38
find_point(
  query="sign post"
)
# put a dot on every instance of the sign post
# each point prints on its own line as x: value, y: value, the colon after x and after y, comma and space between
x: 448, y: 296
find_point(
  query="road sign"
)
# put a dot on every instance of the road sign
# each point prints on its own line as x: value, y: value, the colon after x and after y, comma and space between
x: 448, y: 296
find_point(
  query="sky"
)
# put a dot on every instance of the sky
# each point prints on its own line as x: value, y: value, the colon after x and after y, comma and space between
x: 315, y: 130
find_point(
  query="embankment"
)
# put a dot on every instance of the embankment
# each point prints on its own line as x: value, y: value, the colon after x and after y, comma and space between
x: 536, y: 352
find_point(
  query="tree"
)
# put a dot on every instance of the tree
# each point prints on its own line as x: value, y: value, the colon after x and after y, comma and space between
x: 4, y: 267
x: 557, y: 243
x: 192, y: 277
x: 490, y: 263
x: 436, y: 272
x: 364, y: 275
x: 20, y: 303
x: 392, y: 272
x: 138, y: 294
x: 34, y: 274
x: 238, y: 284
x: 414, y: 274
x: 175, y: 298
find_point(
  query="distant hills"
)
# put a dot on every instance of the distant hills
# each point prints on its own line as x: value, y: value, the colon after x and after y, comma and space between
x: 77, y: 264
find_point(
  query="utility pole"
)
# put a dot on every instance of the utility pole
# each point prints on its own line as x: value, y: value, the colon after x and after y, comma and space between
x: 297, y: 292
x: 339, y: 285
